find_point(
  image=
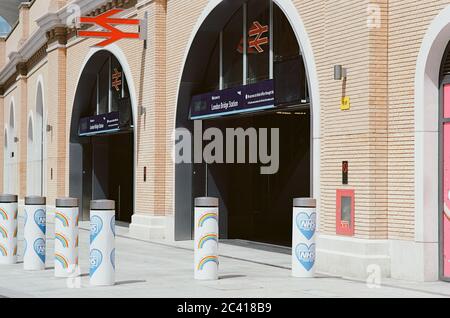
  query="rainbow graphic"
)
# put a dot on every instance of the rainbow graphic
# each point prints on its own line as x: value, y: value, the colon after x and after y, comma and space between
x: 15, y: 251
x: 206, y: 260
x: 76, y: 242
x: 3, y: 232
x: 206, y: 238
x: 62, y: 218
x: 15, y: 232
x: 62, y: 239
x: 3, y: 251
x: 62, y: 260
x: 205, y: 217
x: 16, y: 213
x: 76, y: 220
x: 3, y: 214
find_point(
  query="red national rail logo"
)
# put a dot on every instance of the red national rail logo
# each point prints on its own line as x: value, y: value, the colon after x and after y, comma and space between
x: 255, y: 38
x: 107, y: 22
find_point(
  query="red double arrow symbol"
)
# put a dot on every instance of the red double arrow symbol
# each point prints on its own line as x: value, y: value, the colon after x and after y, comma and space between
x: 105, y: 21
x: 257, y: 31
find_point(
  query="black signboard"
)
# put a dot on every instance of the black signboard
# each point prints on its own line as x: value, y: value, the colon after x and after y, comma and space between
x: 234, y: 100
x: 99, y: 124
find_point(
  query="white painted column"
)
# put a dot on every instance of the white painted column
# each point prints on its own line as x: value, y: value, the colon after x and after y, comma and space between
x: 304, y: 238
x: 206, y: 249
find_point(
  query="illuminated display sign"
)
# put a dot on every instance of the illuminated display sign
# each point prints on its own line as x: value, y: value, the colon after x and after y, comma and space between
x: 99, y: 124
x: 234, y: 100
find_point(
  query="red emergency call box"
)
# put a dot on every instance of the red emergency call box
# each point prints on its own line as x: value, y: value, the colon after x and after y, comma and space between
x: 345, y: 212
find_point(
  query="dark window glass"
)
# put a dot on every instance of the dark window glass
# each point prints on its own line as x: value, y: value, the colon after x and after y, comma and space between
x: 212, y: 75
x: 116, y: 84
x: 258, y: 28
x: 290, y: 76
x: 103, y: 88
x: 232, y: 51
x: 93, y: 108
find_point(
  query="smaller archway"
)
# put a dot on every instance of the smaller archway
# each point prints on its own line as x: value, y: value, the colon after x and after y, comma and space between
x: 39, y: 142
x: 102, y: 119
x: 11, y: 163
x: 31, y: 189
x: 5, y: 161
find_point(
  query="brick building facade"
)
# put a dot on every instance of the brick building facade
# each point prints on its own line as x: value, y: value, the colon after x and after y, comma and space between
x: 392, y: 50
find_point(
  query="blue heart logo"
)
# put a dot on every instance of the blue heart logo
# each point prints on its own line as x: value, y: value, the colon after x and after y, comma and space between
x: 113, y: 225
x: 306, y: 224
x: 96, y: 227
x: 39, y: 248
x: 95, y: 260
x: 306, y: 255
x: 112, y: 258
x: 39, y: 218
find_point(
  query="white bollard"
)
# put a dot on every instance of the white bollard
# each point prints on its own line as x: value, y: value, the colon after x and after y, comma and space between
x: 66, y: 237
x: 34, y: 233
x: 8, y: 229
x: 206, y: 249
x: 102, y: 251
x: 304, y: 238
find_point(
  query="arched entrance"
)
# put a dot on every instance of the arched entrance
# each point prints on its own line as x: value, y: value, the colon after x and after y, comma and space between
x: 102, y: 136
x: 254, y: 206
x: 11, y: 163
x: 39, y: 142
x: 35, y: 146
x: 5, y: 161
x: 31, y: 160
x: 444, y: 169
x: 430, y: 147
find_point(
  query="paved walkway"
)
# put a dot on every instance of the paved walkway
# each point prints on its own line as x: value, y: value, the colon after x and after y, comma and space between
x: 161, y: 269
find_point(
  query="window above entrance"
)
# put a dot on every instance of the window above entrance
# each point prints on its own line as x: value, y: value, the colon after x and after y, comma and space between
x: 268, y: 62
x: 109, y: 109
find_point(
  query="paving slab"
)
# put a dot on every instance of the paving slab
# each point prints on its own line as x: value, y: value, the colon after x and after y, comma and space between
x: 165, y: 269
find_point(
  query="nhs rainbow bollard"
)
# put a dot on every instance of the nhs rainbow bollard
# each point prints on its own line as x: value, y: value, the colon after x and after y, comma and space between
x: 102, y: 251
x: 66, y: 237
x: 8, y: 229
x: 34, y: 233
x: 206, y: 249
x: 304, y: 238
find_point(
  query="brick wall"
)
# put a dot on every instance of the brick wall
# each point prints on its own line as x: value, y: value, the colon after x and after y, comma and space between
x: 376, y: 136
x: 408, y: 22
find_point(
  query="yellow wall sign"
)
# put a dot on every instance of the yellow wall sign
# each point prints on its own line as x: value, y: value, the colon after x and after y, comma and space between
x: 345, y: 103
